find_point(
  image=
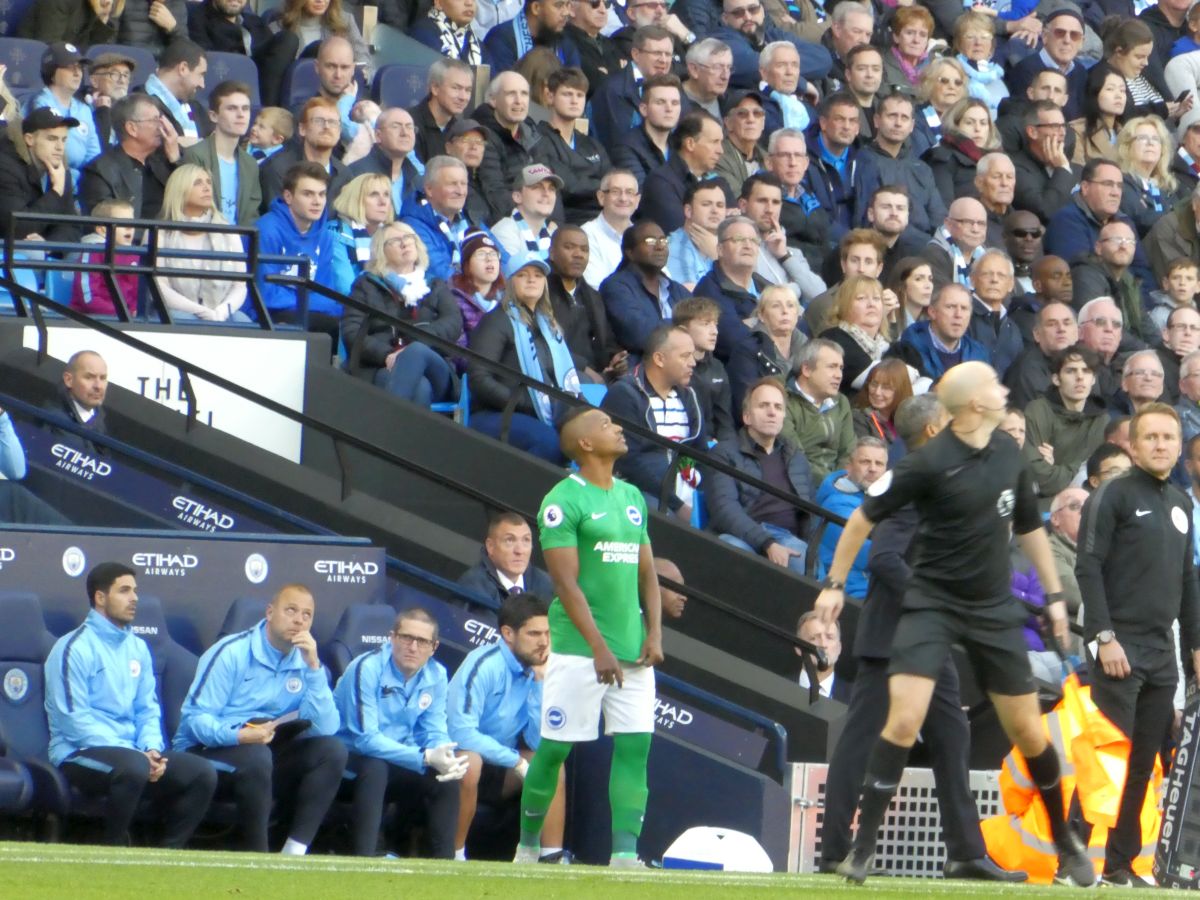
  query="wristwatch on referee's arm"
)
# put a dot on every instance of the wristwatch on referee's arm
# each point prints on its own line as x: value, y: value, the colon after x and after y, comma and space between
x: 1105, y: 637
x: 832, y: 584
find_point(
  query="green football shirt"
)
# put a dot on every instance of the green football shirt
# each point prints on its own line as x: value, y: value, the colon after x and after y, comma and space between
x: 608, y: 529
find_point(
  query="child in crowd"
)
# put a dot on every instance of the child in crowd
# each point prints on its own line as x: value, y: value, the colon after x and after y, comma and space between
x: 1179, y: 288
x: 272, y: 128
x: 90, y: 293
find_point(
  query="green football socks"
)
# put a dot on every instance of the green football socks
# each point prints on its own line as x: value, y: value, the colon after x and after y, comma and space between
x: 627, y: 790
x: 541, y: 781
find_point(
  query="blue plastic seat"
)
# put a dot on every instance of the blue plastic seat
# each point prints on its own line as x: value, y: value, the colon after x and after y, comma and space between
x: 244, y: 613
x: 12, y: 13
x: 174, y: 664
x: 459, y: 410
x: 593, y: 393
x: 361, y: 629
x: 24, y: 60
x: 400, y: 84
x: 300, y: 82
x: 229, y: 67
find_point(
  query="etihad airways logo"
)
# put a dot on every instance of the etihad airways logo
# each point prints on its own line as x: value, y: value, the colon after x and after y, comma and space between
x: 206, y: 518
x: 80, y: 464
x: 169, y: 564
x: 345, y: 571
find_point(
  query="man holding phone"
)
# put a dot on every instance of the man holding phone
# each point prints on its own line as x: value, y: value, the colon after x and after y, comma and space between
x: 243, y: 683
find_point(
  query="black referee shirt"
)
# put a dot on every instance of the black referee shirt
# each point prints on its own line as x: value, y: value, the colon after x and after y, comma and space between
x: 1134, y: 563
x: 967, y: 499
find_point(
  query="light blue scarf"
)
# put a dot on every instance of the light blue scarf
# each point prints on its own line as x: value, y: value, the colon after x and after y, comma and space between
x: 565, y: 376
x: 795, y: 115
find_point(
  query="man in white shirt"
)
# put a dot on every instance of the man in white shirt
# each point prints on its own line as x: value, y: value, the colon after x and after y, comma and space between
x: 85, y: 384
x: 528, y: 229
x: 504, y: 561
x: 829, y: 638
x: 619, y: 196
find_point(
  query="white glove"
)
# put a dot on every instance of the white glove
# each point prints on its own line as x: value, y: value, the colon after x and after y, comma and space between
x: 457, y: 771
x: 521, y: 768
x: 442, y: 758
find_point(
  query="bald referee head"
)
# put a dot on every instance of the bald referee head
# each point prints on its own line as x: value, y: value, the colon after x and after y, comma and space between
x: 972, y: 394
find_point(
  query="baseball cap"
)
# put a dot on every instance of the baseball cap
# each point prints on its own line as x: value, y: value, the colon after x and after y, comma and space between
x: 536, y: 174
x: 104, y: 60
x: 730, y: 100
x: 464, y: 126
x: 44, y: 117
x: 61, y: 54
x: 519, y: 261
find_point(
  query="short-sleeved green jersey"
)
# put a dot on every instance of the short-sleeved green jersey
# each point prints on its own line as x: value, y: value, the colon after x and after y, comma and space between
x: 608, y: 528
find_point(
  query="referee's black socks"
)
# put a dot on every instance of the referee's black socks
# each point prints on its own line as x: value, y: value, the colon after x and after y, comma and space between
x: 884, y: 769
x: 1045, y: 771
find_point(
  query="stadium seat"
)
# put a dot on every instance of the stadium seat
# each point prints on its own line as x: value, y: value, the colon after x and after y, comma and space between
x: 59, y: 284
x: 24, y: 645
x: 24, y: 60
x: 11, y: 14
x: 144, y: 59
x: 16, y: 783
x: 229, y: 67
x: 244, y: 613
x: 362, y: 628
x: 593, y: 393
x: 394, y: 46
x: 299, y: 83
x: 400, y: 84
x: 460, y: 410
x: 174, y: 664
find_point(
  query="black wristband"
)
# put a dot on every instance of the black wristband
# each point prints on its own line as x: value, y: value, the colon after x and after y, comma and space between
x: 1056, y: 597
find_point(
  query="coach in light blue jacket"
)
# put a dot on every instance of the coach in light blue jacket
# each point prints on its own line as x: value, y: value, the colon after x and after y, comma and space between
x: 393, y: 706
x: 243, y: 683
x: 106, y: 730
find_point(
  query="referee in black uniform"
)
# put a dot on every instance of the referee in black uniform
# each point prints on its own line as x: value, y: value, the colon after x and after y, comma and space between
x: 971, y: 489
x: 1136, y: 576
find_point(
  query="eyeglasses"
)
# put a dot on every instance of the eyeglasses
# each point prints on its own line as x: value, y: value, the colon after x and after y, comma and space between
x: 1067, y: 34
x: 721, y: 69
x: 1073, y: 506
x: 1027, y: 233
x: 115, y: 76
x: 970, y: 223
x: 653, y: 4
x: 946, y: 81
x: 402, y: 240
x: 1184, y: 327
x: 472, y: 143
x: 1119, y: 241
x: 596, y: 4
x: 486, y: 255
x: 654, y: 241
x: 620, y: 192
x: 657, y: 54
x: 745, y: 239
x: 1110, y: 184
x: 1104, y: 322
x: 412, y: 639
x: 790, y: 157
x: 742, y: 11
x: 749, y: 113
x: 322, y: 122
x: 1146, y: 373
x: 1147, y: 139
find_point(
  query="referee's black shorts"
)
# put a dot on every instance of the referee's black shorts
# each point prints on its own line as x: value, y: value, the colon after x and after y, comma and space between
x: 992, y: 636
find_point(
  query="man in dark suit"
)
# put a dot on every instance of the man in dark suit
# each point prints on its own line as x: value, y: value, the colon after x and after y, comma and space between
x: 503, y: 566
x: 945, y: 731
x: 829, y: 639
x: 138, y: 167
x: 81, y: 399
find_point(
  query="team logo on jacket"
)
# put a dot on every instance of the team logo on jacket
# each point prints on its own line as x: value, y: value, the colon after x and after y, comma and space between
x: 256, y: 568
x: 1006, y: 502
x: 1179, y: 519
x: 426, y: 701
x: 635, y: 516
x: 552, y: 516
x: 135, y: 668
x: 74, y: 562
x: 16, y: 685
x: 293, y: 685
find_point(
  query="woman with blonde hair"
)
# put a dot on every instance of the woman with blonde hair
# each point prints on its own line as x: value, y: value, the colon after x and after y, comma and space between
x: 522, y: 334
x: 858, y: 329
x: 393, y: 284
x: 975, y: 42
x: 773, y: 346
x: 361, y: 207
x: 887, y: 385
x: 188, y: 197
x: 967, y: 134
x: 943, y: 83
x: 1144, y: 153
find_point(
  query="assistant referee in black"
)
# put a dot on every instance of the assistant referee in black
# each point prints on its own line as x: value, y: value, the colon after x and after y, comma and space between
x: 971, y: 491
x: 1136, y: 576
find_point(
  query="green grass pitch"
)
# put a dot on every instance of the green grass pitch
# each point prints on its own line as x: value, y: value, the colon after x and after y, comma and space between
x: 31, y: 871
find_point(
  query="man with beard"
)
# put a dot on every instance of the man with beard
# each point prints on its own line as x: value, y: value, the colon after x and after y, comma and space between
x: 494, y: 714
x: 540, y: 24
x: 745, y: 29
x: 317, y: 134
x: 888, y: 214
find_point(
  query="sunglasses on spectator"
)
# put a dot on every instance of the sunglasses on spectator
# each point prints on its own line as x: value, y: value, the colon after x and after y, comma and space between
x: 741, y: 11
x: 1027, y: 233
x: 1067, y: 34
x: 945, y: 80
x: 597, y: 4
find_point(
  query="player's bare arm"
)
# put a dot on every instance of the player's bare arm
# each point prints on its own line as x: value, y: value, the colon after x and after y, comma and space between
x: 563, y: 565
x: 652, y: 653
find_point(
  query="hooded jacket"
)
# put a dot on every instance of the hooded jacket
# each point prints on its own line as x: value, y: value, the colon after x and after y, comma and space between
x: 841, y: 496
x: 1073, y: 435
x: 278, y: 235
x: 645, y: 464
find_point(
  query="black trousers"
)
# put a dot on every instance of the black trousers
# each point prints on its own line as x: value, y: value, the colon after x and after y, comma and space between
x: 377, y: 782
x: 1142, y: 705
x: 302, y: 774
x: 948, y: 736
x: 122, y: 776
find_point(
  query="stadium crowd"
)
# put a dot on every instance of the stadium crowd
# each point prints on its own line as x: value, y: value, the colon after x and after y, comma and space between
x: 757, y: 226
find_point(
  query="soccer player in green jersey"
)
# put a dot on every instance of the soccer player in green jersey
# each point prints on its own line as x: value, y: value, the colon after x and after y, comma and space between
x: 604, y: 643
